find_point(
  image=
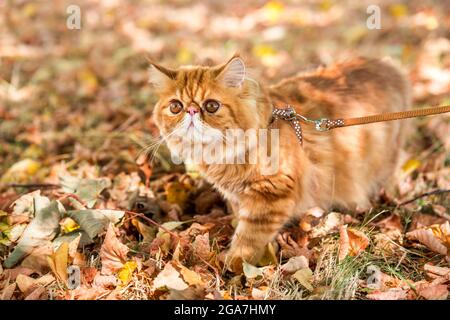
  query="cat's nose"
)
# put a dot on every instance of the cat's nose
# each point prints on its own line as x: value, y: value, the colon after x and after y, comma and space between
x: 192, y: 110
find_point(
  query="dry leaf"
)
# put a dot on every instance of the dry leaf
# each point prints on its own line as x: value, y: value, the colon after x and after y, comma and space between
x: 36, y: 294
x: 428, y: 238
x: 105, y: 281
x: 250, y: 271
x: 113, y: 253
x: 25, y: 283
x: 391, y: 294
x: 329, y: 224
x: 191, y: 277
x: 201, y: 246
x: 352, y: 242
x: 170, y: 278
x: 58, y: 262
x: 126, y: 272
x: 432, y: 291
x: 8, y: 291
x: 294, y: 264
x: 304, y: 276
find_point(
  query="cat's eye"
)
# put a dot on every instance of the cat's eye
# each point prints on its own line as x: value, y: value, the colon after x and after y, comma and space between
x: 175, y: 106
x: 211, y: 105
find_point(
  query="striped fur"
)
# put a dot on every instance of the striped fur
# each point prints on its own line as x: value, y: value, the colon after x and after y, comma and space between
x: 344, y: 167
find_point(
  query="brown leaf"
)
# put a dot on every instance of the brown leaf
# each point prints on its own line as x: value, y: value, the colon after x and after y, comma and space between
x: 201, y: 246
x: 294, y: 264
x: 37, y: 294
x: 391, y: 294
x: 105, y: 281
x: 393, y: 222
x: 440, y: 271
x: 170, y: 278
x: 37, y: 260
x: 25, y: 283
x: 352, y: 242
x: 113, y: 253
x: 432, y: 291
x: 426, y: 237
x: 8, y: 291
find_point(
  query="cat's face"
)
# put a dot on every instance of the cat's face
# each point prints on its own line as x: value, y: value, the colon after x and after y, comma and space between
x: 198, y: 103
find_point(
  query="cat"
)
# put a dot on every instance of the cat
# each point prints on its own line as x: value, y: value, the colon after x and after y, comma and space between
x: 344, y: 167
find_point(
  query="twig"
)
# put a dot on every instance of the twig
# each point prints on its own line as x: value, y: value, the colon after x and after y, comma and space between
x: 34, y: 185
x: 435, y: 192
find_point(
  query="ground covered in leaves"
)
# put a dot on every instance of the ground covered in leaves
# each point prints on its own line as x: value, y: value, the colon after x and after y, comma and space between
x: 77, y: 191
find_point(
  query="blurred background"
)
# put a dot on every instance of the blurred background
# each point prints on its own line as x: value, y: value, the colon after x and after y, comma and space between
x: 78, y: 99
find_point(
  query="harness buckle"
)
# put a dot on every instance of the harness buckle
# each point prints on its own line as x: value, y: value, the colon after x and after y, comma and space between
x: 322, y: 124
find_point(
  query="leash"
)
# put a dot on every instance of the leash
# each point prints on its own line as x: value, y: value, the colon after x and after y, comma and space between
x: 325, y: 124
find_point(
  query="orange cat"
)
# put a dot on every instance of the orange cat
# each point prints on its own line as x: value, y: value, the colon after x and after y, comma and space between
x: 343, y: 167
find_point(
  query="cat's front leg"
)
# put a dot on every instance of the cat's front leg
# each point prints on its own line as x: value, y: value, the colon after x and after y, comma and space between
x: 258, y: 224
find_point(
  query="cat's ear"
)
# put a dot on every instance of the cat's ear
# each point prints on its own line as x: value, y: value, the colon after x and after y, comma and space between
x: 232, y: 73
x: 159, y: 75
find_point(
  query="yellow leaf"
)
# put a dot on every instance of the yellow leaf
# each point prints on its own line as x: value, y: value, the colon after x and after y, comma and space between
x: 411, y: 165
x: 398, y: 10
x: 21, y: 171
x: 325, y: 5
x: 58, y: 262
x: 89, y: 82
x: 69, y: 225
x: 184, y: 56
x: 126, y: 271
x: 177, y: 193
x: 263, y: 51
x: 273, y: 11
x: 29, y: 10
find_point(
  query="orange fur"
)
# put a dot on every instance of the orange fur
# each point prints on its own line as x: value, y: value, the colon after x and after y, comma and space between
x: 343, y: 167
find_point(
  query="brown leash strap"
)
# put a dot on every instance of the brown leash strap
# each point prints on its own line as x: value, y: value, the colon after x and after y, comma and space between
x: 331, y: 124
x: 325, y: 124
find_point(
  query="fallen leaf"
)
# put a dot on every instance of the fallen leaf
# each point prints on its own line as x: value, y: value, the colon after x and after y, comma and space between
x: 126, y: 271
x: 41, y: 229
x: 95, y: 221
x: 191, y: 277
x: 440, y: 271
x: 87, y: 190
x: 8, y: 291
x: 352, y: 242
x: 113, y: 253
x: 105, y: 281
x: 432, y: 292
x: 294, y: 264
x: 58, y: 262
x: 169, y: 278
x: 148, y: 233
x: 25, y: 283
x: 304, y: 276
x: 429, y: 239
x: 21, y: 171
x: 391, y: 294
x: 411, y: 165
x: 250, y: 271
x: 36, y: 294
x: 201, y: 246
x: 329, y: 224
